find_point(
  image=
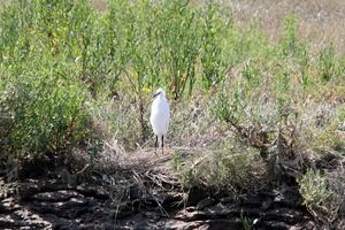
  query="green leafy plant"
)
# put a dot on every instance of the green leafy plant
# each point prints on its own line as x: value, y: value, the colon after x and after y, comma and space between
x: 211, y: 55
x: 41, y: 117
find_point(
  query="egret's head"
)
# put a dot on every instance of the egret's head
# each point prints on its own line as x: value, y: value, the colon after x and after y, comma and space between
x: 160, y: 91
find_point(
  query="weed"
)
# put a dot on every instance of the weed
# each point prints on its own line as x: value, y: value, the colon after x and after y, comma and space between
x: 319, y: 195
x: 327, y: 63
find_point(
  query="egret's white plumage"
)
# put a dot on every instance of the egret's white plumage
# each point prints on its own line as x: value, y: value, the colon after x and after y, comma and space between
x: 160, y: 115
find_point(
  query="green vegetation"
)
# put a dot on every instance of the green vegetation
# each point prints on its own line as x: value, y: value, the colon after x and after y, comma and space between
x: 71, y: 76
x: 231, y: 169
x: 320, y: 194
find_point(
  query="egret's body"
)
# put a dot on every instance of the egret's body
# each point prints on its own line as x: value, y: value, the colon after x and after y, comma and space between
x: 160, y: 115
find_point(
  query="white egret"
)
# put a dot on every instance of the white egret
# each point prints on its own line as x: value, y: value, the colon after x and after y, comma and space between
x: 160, y: 115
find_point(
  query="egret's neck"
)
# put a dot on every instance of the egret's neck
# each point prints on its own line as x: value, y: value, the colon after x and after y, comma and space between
x: 160, y: 99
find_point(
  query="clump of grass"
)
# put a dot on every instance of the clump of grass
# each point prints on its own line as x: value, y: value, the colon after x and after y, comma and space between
x: 320, y: 196
x: 313, y: 187
x: 229, y: 169
x: 328, y: 63
x: 318, y: 127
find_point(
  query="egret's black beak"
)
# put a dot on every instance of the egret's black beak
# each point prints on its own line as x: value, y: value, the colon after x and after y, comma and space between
x: 156, y: 94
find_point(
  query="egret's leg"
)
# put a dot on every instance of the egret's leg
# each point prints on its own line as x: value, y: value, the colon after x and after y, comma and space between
x: 162, y: 143
x: 156, y: 142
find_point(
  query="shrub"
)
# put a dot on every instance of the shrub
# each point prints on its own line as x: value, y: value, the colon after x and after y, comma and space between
x: 42, y: 97
x: 42, y: 113
x: 215, y: 24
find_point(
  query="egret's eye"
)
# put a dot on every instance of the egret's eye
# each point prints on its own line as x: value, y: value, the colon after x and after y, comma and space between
x: 156, y: 94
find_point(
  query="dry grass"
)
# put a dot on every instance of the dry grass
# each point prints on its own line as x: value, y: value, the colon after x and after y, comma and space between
x: 100, y: 5
x: 320, y: 21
